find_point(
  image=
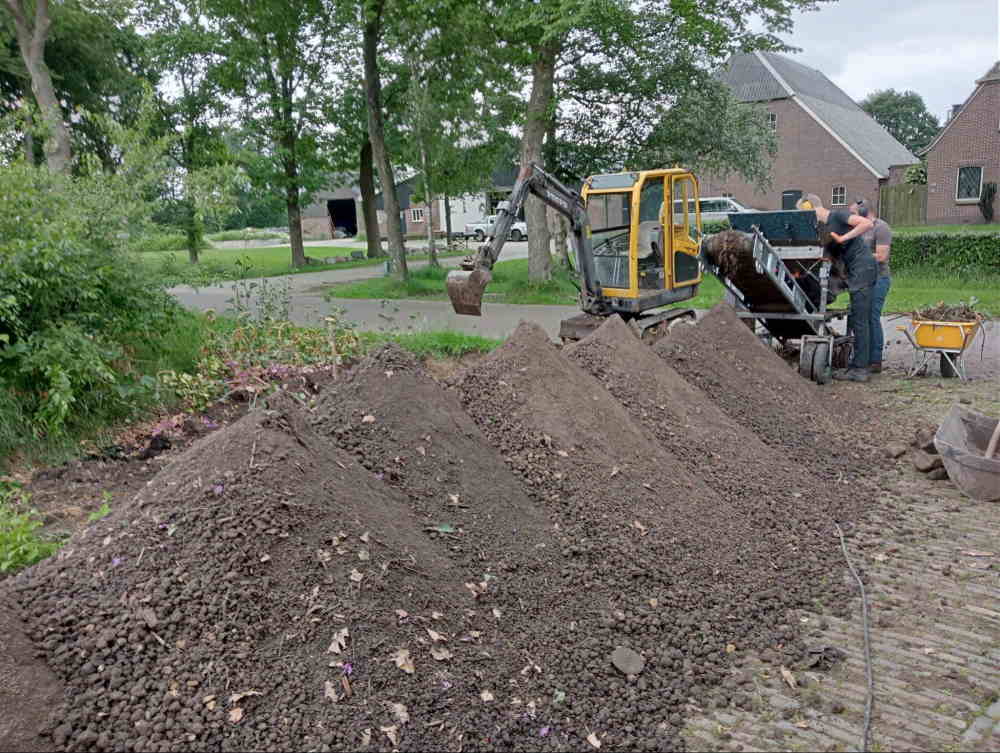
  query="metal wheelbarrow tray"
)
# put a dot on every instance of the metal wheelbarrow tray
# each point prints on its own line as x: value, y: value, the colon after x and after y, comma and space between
x: 948, y: 340
x: 962, y: 440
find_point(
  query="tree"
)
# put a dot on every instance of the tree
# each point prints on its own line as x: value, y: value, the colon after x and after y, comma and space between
x: 904, y: 115
x: 276, y: 59
x: 32, y: 32
x: 636, y: 58
x: 916, y: 174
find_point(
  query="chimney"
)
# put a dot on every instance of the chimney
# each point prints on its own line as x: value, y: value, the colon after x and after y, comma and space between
x: 953, y: 112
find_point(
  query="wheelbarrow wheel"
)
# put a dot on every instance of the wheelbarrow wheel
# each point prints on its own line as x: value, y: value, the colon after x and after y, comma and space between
x: 814, y: 362
x: 948, y: 371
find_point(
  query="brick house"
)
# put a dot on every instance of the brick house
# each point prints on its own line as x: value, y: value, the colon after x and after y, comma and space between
x: 965, y: 156
x: 827, y: 145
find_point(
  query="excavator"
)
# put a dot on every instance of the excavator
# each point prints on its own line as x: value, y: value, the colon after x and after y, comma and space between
x: 635, y: 237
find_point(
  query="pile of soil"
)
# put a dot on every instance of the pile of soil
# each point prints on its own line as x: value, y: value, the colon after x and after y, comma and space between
x: 202, y: 615
x: 541, y: 552
x: 818, y: 428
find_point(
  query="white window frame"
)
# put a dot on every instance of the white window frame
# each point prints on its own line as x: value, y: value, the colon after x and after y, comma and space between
x: 833, y: 196
x: 417, y: 214
x: 772, y: 120
x: 958, y: 175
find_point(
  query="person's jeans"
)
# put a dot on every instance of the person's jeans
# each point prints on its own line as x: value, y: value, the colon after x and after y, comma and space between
x: 859, y: 319
x: 879, y: 294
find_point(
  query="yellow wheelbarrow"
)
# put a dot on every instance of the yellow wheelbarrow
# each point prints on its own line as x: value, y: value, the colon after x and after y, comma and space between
x: 947, y: 340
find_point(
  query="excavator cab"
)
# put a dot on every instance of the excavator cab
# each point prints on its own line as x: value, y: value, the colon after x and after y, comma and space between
x: 635, y: 236
x: 645, y: 228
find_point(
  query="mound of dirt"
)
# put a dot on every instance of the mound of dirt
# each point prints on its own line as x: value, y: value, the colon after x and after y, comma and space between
x: 255, y: 596
x: 823, y: 430
x: 654, y: 560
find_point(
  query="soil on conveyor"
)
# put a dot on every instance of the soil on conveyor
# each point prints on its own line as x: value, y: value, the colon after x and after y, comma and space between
x: 821, y: 430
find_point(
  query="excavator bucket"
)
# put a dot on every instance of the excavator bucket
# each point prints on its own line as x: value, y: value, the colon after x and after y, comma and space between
x: 465, y: 289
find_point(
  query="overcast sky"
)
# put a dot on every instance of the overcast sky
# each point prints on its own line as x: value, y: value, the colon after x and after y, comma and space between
x: 937, y: 48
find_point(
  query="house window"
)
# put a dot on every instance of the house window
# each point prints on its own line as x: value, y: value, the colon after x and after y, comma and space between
x: 839, y: 196
x: 772, y: 120
x: 416, y: 215
x: 726, y: 195
x: 970, y: 184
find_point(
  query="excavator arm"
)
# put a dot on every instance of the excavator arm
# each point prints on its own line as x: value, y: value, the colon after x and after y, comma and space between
x: 466, y: 288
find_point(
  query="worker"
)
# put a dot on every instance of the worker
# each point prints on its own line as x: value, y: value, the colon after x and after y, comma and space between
x: 879, y: 241
x: 846, y: 230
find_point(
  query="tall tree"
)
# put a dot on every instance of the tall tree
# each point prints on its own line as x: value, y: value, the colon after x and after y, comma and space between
x: 904, y: 115
x: 32, y: 32
x: 276, y: 60
x: 373, y: 18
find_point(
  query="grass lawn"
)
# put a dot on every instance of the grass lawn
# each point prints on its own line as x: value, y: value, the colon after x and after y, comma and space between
x: 510, y: 285
x: 946, y: 229
x: 218, y: 264
x: 910, y: 290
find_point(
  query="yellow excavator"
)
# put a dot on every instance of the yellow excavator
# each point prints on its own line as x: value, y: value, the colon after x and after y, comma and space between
x: 635, y: 237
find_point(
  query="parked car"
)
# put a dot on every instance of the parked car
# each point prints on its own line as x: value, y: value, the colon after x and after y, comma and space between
x: 484, y: 227
x: 715, y: 208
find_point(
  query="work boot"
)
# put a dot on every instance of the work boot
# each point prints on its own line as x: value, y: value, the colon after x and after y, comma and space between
x: 875, y: 367
x: 851, y: 375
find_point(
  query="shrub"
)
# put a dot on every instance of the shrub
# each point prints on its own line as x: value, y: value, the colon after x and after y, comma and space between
x: 20, y: 543
x: 708, y: 227
x: 73, y: 303
x: 972, y: 253
x: 163, y: 242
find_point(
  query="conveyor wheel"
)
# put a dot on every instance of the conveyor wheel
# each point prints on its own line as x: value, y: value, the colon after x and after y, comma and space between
x: 814, y: 361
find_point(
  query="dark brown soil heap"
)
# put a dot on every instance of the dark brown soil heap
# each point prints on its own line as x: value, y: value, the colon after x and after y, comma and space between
x: 654, y: 560
x: 232, y: 573
x: 820, y: 429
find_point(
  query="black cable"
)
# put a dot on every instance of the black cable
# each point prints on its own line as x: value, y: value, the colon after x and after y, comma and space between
x: 868, y: 644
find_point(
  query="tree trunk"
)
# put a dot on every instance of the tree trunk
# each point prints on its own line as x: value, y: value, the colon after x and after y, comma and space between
x: 376, y: 134
x: 289, y: 157
x: 366, y: 179
x: 295, y: 226
x: 561, y: 244
x: 28, y: 141
x: 535, y: 125
x: 31, y: 41
x: 447, y: 222
x: 192, y: 231
x: 429, y: 216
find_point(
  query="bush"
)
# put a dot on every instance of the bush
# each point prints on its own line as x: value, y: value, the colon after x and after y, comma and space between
x: 20, y: 543
x: 709, y: 227
x: 971, y: 253
x: 74, y: 305
x: 163, y: 242
x: 247, y: 234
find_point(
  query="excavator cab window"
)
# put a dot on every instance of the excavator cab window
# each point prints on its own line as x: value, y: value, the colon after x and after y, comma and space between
x: 649, y: 247
x: 684, y: 230
x: 610, y: 225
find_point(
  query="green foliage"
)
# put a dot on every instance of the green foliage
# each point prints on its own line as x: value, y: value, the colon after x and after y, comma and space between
x: 101, y: 512
x: 968, y: 253
x: 904, y: 115
x: 21, y: 545
x: 443, y: 344
x: 916, y: 175
x: 163, y: 242
x: 710, y: 227
x: 247, y: 234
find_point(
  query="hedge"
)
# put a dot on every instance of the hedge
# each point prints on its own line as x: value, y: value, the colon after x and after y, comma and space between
x: 970, y: 252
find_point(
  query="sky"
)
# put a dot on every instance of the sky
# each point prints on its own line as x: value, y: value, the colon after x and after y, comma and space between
x: 937, y: 48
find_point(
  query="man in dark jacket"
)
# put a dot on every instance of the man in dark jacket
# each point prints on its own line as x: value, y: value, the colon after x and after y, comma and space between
x: 846, y: 231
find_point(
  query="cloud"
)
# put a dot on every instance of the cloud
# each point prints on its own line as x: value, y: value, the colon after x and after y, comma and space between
x: 937, y: 49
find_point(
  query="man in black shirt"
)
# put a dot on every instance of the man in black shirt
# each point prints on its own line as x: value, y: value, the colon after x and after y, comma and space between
x: 846, y: 230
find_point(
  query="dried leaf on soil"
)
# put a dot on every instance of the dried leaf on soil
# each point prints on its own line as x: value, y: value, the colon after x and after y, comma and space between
x: 235, y: 715
x: 593, y: 740
x: 486, y: 695
x: 339, y: 642
x: 237, y: 697
x: 356, y: 575
x: 369, y: 419
x: 330, y: 691
x: 496, y: 613
x: 364, y: 537
x: 440, y: 653
x: 730, y: 648
x: 364, y: 555
x: 975, y: 553
x: 390, y: 732
x: 403, y: 660
x: 436, y: 636
x: 366, y: 737
x: 399, y: 711
x: 789, y: 677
